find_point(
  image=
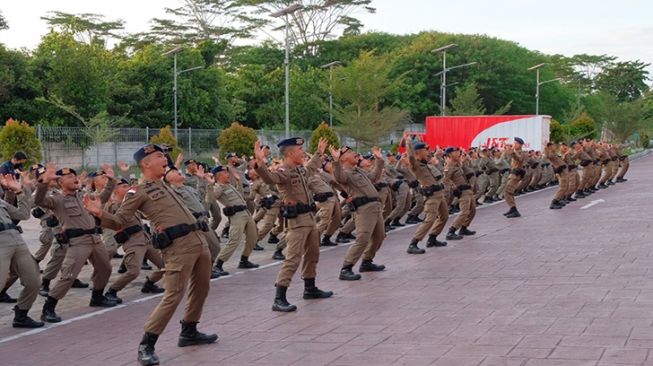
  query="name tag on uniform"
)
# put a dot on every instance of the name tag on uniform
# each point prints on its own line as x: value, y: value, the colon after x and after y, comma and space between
x: 155, y: 194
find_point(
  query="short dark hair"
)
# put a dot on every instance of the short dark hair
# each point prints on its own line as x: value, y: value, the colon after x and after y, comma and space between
x: 19, y: 155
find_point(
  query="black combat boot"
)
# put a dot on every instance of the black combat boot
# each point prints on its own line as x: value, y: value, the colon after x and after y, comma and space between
x: 48, y: 314
x: 191, y: 337
x: 21, y: 320
x: 602, y: 186
x: 434, y: 242
x: 350, y: 236
x: 45, y: 287
x: 278, y: 255
x: 465, y: 231
x: 79, y: 284
x: 388, y: 226
x: 451, y: 235
x: 570, y: 199
x: 368, y: 266
x: 488, y: 200
x: 258, y: 248
x: 122, y: 268
x: 346, y: 273
x: 396, y: 223
x: 326, y: 241
x: 151, y: 288
x: 218, y: 269
x: 4, y: 297
x: 145, y: 266
x: 312, y: 292
x: 580, y: 194
x: 622, y: 180
x: 280, y: 302
x: 341, y: 238
x: 513, y: 213
x: 413, y: 249
x: 412, y: 219
x: 246, y: 264
x: 273, y: 239
x: 146, y: 355
x: 555, y: 205
x: 99, y: 300
x: 112, y: 295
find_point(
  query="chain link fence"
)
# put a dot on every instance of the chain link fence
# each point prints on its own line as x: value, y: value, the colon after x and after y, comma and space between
x: 74, y: 147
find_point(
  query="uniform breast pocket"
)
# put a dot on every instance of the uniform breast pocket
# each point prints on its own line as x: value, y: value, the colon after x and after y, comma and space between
x: 359, y: 180
x: 72, y: 209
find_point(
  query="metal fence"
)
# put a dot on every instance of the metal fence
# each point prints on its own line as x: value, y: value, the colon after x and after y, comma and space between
x: 73, y: 146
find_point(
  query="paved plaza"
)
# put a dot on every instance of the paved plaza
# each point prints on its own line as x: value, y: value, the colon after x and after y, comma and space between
x: 555, y: 287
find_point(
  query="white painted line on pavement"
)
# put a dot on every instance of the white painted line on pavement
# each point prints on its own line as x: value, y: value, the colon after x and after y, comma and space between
x: 593, y: 203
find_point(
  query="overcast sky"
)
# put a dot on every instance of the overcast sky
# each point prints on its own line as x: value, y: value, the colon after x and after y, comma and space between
x: 622, y: 28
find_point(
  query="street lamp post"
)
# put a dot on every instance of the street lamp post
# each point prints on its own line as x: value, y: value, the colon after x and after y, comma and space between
x: 330, y: 66
x: 174, y: 52
x: 538, y: 84
x: 284, y: 13
x: 444, y: 85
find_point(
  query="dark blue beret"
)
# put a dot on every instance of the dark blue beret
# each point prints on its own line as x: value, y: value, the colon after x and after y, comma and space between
x: 65, y: 171
x: 293, y: 141
x: 449, y: 150
x: 419, y: 146
x: 517, y: 139
x: 146, y: 150
x: 217, y: 169
x: 96, y: 173
x: 189, y: 162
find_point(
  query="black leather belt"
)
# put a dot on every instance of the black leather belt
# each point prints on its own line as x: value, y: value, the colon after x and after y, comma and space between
x: 5, y: 227
x: 232, y: 210
x: 201, y: 214
x: 75, y: 233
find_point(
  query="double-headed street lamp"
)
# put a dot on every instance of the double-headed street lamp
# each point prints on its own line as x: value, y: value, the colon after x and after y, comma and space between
x: 285, y: 13
x: 330, y: 66
x: 537, y: 85
x: 176, y: 73
x: 443, y: 74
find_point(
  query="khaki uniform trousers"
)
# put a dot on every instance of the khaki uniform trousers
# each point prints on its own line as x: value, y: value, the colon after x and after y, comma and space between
x: 482, y: 184
x: 563, y: 185
x: 216, y: 215
x: 537, y: 176
x: 57, y: 255
x: 419, y: 204
x: 349, y: 225
x: 625, y: 164
x: 503, y: 181
x: 240, y: 224
x: 46, y: 237
x: 402, y: 202
x: 436, y: 216
x: 526, y: 180
x: 92, y: 249
x: 573, y: 182
x: 370, y: 232
x: 134, y: 254
x: 301, y: 241
x: 509, y: 191
x: 328, y: 217
x: 109, y: 242
x: 385, y: 194
x: 494, y: 180
x: 182, y: 265
x: 270, y: 216
x: 213, y: 241
x: 467, y: 209
x: 16, y: 258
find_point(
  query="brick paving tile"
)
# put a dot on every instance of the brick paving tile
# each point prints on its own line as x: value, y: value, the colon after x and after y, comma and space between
x: 567, y: 287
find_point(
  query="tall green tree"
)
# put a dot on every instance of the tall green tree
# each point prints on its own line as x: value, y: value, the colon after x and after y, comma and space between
x: 625, y: 80
x: 86, y: 28
x: 3, y: 22
x: 363, y: 109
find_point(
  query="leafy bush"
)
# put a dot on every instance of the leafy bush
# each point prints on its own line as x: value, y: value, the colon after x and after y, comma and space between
x: 584, y: 126
x: 166, y: 137
x: 20, y: 136
x: 557, y: 132
x: 237, y: 138
x: 323, y: 130
x: 646, y: 141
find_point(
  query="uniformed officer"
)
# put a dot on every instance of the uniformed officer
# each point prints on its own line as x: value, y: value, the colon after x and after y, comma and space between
x: 15, y: 254
x: 82, y: 233
x: 270, y: 203
x: 517, y: 174
x: 185, y: 251
x: 398, y: 185
x: 240, y: 220
x: 458, y: 179
x: 325, y: 196
x: 624, y: 163
x: 365, y: 203
x: 435, y: 207
x: 298, y: 210
x: 561, y: 169
x: 137, y: 246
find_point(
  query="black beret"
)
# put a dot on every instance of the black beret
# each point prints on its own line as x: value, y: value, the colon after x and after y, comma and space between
x: 519, y: 140
x: 122, y: 181
x: 293, y: 141
x: 65, y: 171
x: 217, y: 169
x: 96, y: 173
x: 449, y: 150
x: 189, y: 162
x: 146, y: 150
